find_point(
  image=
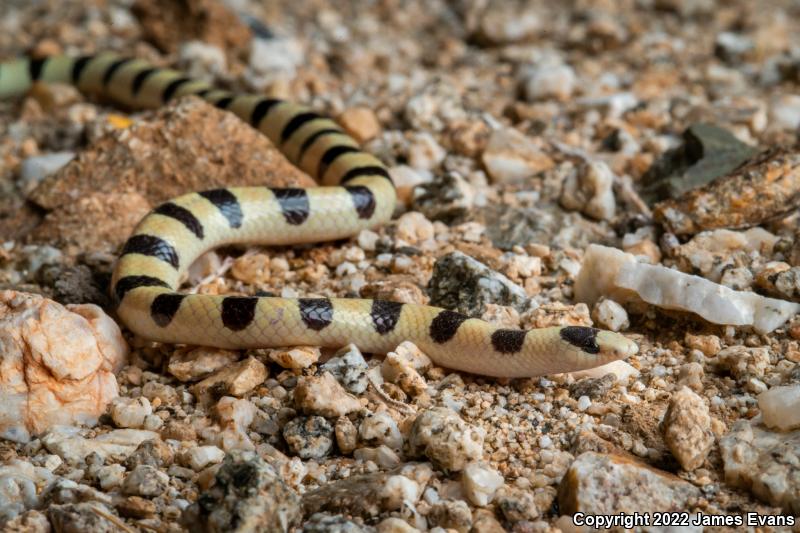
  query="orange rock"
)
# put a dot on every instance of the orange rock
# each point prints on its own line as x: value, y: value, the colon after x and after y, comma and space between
x: 57, y: 364
x: 116, y: 215
x: 765, y: 188
x: 186, y: 146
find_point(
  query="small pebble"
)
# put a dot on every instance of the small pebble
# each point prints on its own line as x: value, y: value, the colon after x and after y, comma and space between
x: 323, y: 395
x: 785, y: 111
x: 512, y: 156
x: 346, y: 435
x: 349, y: 368
x: 110, y: 476
x: 130, y: 412
x: 380, y: 429
x: 309, y: 437
x: 610, y: 315
x: 442, y: 436
x: 584, y: 403
x: 414, y: 228
x: 424, y: 152
x: 145, y: 481
x: 687, y: 429
x: 296, y: 358
x: 480, y: 482
x: 549, y: 81
x: 200, y: 457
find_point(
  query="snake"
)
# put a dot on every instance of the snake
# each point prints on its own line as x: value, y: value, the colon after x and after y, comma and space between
x: 355, y: 192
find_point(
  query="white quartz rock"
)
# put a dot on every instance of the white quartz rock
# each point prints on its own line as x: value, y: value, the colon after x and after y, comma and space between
x: 480, y: 482
x: 780, y: 407
x: 615, y: 274
x: 610, y: 315
x: 399, y: 489
x: 130, y: 412
x: 200, y: 457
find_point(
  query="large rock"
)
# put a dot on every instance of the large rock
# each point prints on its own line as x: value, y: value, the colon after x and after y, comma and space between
x: 248, y: 496
x: 765, y: 462
x: 57, y: 364
x: 466, y: 285
x: 707, y: 152
x: 599, y: 483
x: 763, y: 189
x: 188, y: 145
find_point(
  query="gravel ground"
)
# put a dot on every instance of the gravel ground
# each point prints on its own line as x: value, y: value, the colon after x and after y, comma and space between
x: 519, y: 134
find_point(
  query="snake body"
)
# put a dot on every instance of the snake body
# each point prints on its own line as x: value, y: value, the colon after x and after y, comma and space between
x: 356, y: 193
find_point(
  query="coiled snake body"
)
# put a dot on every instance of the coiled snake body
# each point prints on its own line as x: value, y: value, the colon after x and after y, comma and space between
x: 357, y: 193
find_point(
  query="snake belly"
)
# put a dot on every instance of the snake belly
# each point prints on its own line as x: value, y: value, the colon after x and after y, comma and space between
x: 356, y: 193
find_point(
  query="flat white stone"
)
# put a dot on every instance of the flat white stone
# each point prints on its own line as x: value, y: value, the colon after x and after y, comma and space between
x: 65, y: 442
x: 617, y: 275
x: 621, y: 369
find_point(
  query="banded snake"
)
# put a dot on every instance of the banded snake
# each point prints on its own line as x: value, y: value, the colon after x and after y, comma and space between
x: 356, y: 193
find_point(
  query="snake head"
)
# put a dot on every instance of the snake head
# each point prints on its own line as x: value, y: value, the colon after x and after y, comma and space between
x: 614, y: 346
x: 604, y: 346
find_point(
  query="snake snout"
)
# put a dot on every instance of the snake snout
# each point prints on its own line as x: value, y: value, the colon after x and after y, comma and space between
x: 615, y: 346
